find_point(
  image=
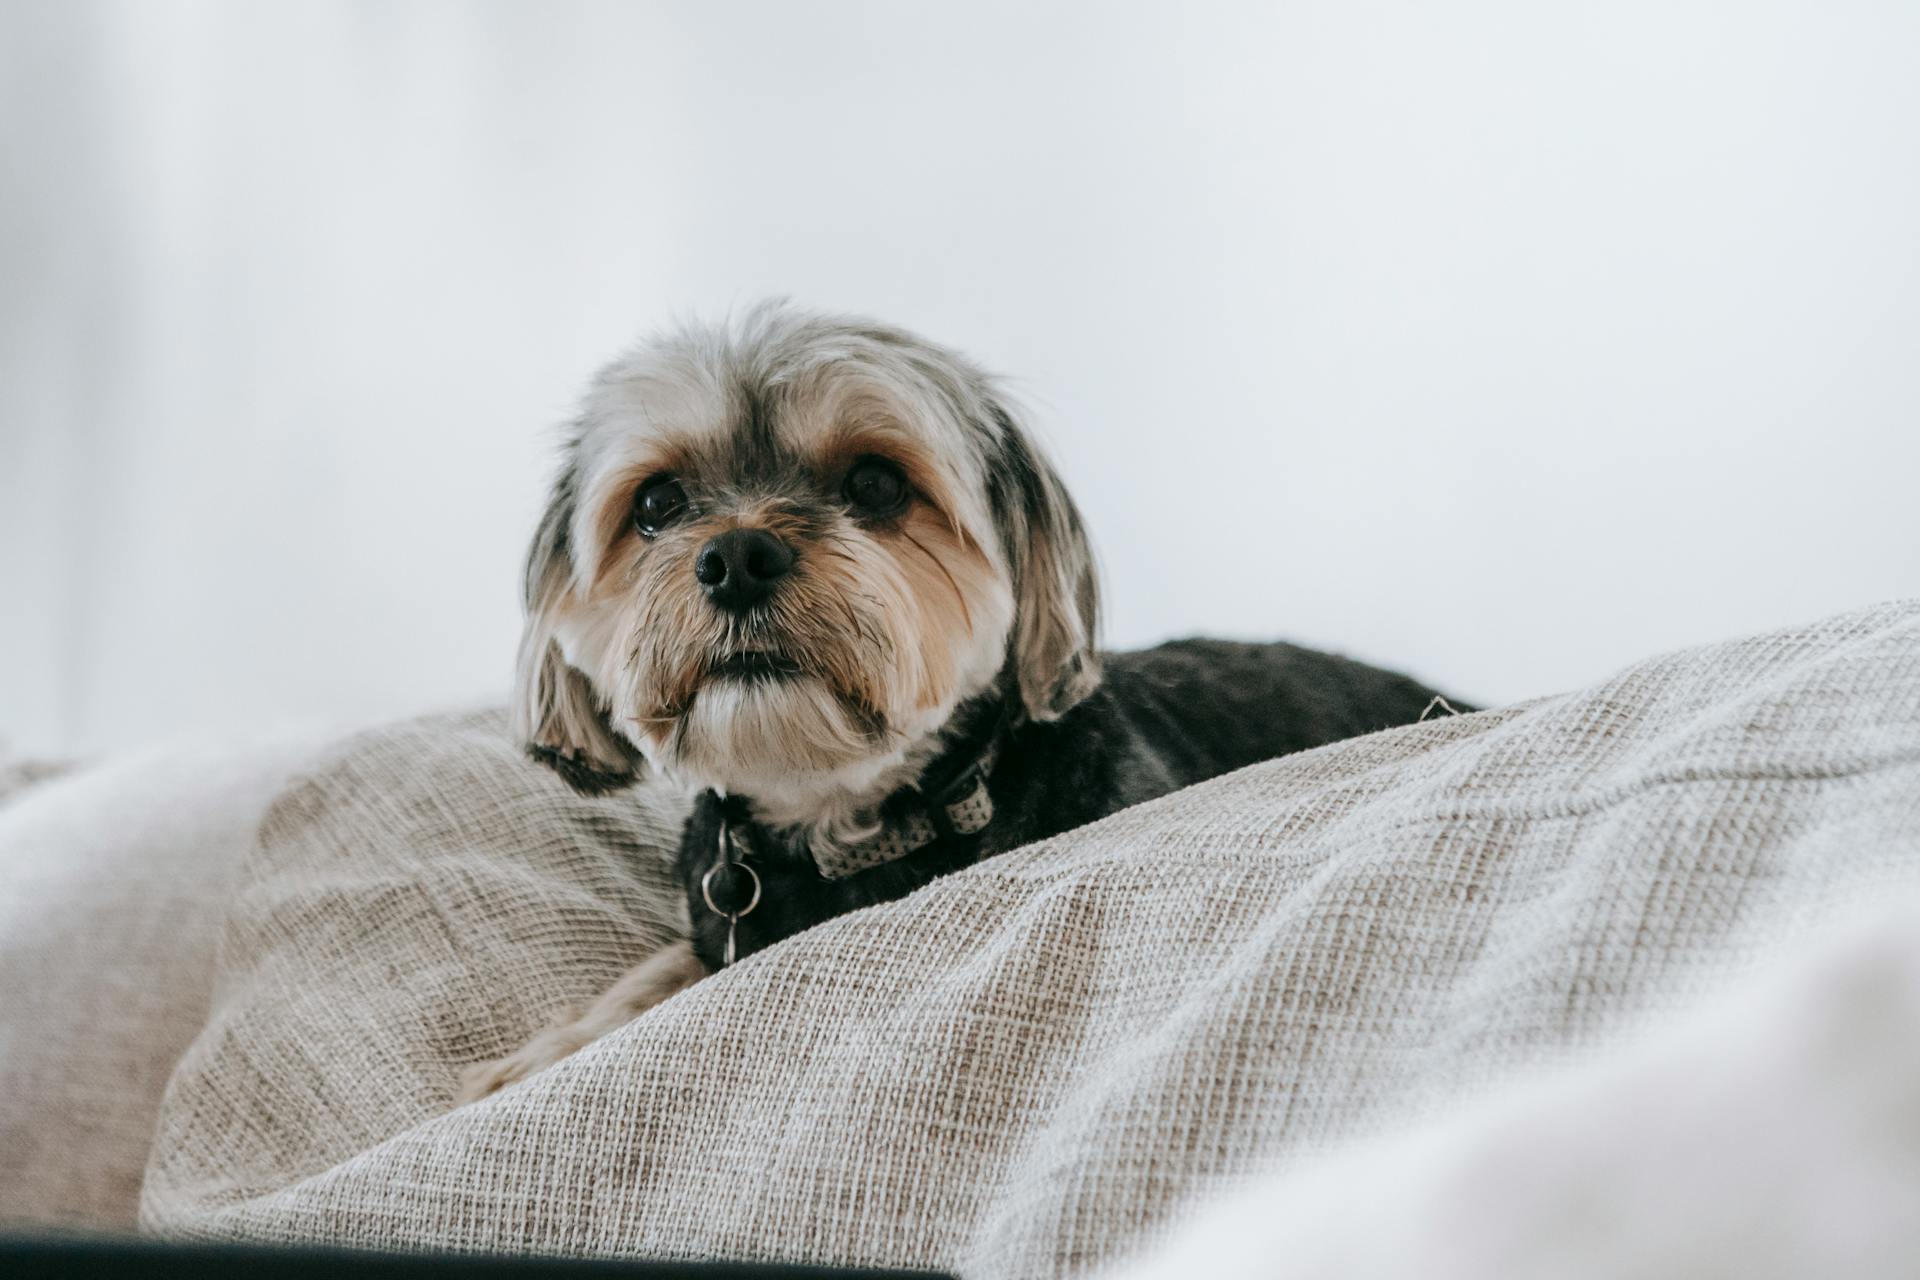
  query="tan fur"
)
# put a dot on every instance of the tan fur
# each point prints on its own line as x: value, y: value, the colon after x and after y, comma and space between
x: 663, y: 974
x: 1053, y: 640
x: 891, y: 621
x: 944, y: 575
x: 891, y: 625
x: 556, y: 707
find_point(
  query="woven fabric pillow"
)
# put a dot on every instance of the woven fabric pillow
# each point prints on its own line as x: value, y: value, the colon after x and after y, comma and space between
x: 1032, y: 1067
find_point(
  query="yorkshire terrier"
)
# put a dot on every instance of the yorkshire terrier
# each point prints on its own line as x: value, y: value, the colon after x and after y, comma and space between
x: 815, y: 571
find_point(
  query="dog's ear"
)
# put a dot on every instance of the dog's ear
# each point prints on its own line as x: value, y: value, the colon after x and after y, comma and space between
x: 1055, y: 583
x: 556, y: 711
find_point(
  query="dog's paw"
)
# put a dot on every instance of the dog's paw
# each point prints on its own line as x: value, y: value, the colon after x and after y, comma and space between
x: 668, y: 970
x: 483, y: 1079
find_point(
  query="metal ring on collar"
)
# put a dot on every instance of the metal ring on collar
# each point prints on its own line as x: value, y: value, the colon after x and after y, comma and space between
x: 706, y: 889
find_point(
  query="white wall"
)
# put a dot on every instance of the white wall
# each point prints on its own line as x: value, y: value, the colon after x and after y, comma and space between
x: 1503, y: 342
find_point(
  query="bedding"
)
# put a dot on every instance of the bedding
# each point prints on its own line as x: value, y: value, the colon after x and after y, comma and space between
x: 113, y: 881
x: 1773, y: 1132
x: 1041, y: 1066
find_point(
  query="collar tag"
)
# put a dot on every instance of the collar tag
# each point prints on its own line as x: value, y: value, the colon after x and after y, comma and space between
x: 726, y: 899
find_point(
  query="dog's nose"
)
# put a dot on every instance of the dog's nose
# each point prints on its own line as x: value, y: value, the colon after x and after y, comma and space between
x: 740, y: 567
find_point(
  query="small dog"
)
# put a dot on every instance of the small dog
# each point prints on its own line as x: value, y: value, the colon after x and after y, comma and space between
x: 815, y: 570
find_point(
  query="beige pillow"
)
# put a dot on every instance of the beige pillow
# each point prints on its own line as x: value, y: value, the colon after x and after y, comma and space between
x: 1033, y: 1067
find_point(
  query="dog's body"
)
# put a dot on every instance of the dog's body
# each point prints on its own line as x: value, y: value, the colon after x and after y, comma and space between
x: 1161, y: 719
x: 815, y: 571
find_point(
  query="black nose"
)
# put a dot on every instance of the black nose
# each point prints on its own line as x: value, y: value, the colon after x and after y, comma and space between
x: 740, y: 567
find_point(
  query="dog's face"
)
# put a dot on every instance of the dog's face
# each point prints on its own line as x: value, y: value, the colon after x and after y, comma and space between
x: 780, y: 556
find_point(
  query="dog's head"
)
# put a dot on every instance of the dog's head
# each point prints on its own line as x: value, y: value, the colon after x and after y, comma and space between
x: 780, y: 554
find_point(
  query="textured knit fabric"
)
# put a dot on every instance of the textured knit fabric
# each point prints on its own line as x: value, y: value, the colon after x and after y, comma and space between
x: 1034, y: 1067
x: 1774, y: 1133
x: 113, y: 879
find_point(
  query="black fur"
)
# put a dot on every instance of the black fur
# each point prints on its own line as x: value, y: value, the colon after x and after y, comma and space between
x: 579, y: 772
x: 1162, y: 719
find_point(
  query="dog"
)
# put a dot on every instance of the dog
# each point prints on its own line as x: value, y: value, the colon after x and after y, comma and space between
x: 815, y: 571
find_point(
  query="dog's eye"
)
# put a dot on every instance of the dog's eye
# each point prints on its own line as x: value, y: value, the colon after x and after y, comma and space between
x: 658, y: 504
x: 876, y: 487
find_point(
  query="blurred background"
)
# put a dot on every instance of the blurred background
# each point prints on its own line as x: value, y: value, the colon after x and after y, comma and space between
x: 1502, y: 342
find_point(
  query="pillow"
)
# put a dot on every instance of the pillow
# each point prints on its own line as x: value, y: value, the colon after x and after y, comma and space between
x: 1772, y: 1134
x: 1032, y: 1067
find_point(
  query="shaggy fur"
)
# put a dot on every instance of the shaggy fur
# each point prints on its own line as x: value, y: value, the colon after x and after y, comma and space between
x: 895, y: 649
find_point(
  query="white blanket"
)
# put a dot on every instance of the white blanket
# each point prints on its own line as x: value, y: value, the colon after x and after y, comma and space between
x: 113, y: 881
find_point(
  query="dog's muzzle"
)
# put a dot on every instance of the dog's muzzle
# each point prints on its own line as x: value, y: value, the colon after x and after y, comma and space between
x: 740, y: 568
